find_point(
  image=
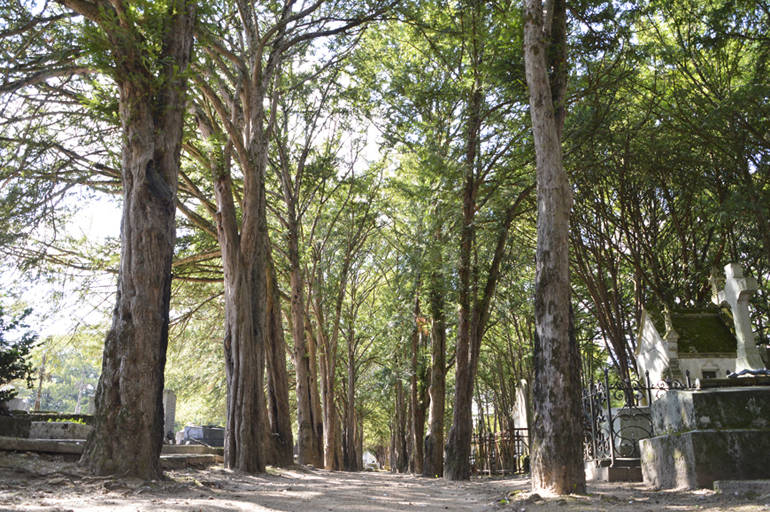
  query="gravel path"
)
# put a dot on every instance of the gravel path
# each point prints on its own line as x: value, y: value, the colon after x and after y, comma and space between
x: 33, y: 482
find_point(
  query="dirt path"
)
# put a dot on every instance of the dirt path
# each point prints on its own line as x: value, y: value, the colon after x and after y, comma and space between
x: 31, y: 482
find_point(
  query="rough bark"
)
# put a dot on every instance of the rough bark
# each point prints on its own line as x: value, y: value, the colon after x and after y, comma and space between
x: 400, y: 459
x: 278, y: 413
x: 350, y: 454
x: 557, y: 463
x: 307, y: 441
x: 315, y: 395
x: 128, y: 427
x: 458, y: 446
x: 433, y: 460
x: 245, y: 331
x: 417, y: 423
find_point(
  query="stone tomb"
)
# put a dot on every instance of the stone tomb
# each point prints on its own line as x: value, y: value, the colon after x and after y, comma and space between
x: 707, y: 342
x: 708, y: 435
x: 720, y: 432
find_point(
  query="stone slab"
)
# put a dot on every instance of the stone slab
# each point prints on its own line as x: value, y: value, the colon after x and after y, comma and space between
x: 180, y: 461
x: 722, y: 408
x: 71, y: 447
x: 697, y: 458
x: 598, y: 472
x: 59, y: 430
x: 743, y: 487
x: 40, y: 445
x: 175, y: 449
x: 14, y: 426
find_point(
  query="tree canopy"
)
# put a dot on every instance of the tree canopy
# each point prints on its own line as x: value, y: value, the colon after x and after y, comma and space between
x: 351, y: 204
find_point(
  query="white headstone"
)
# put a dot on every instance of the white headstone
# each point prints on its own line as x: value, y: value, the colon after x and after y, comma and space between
x: 522, y: 408
x: 737, y: 293
x: 169, y: 413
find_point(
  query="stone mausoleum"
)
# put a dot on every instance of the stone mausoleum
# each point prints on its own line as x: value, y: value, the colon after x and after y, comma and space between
x: 721, y: 429
x: 708, y: 342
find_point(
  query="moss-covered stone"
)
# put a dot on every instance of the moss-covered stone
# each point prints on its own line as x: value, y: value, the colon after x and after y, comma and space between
x: 701, y: 330
x: 696, y: 459
x: 719, y: 409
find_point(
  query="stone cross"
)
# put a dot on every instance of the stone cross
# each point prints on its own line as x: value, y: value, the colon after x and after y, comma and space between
x: 737, y: 292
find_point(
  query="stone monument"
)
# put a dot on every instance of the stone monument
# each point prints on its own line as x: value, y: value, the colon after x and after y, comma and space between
x: 719, y: 433
x: 169, y: 414
x: 737, y: 293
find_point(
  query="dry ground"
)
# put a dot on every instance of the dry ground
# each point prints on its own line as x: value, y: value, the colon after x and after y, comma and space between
x: 32, y: 482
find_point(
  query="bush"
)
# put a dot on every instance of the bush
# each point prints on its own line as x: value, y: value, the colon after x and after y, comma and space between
x: 13, y: 353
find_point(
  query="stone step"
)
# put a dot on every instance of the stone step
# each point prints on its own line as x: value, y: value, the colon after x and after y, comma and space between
x: 629, y: 470
x: 620, y: 462
x: 193, y: 458
x: 181, y: 460
x: 175, y: 449
x: 41, y: 445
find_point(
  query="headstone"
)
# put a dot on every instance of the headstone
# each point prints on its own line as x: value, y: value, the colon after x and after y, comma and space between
x: 169, y: 414
x: 708, y: 435
x: 17, y: 404
x: 737, y: 293
x: 522, y: 408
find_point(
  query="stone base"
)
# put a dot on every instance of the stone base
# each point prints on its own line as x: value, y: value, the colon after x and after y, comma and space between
x: 14, y: 426
x: 743, y: 487
x: 696, y: 459
x: 624, y: 470
x: 59, y: 430
x: 719, y: 409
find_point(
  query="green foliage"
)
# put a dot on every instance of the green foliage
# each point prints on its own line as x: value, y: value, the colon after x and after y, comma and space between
x: 67, y: 420
x: 15, y: 344
x: 68, y: 370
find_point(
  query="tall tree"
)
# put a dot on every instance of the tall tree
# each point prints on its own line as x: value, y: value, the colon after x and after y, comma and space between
x: 149, y: 67
x: 557, y: 455
x: 433, y: 461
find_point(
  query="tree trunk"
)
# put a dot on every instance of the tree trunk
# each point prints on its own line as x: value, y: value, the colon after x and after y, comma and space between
x: 418, y: 412
x: 400, y: 460
x: 557, y: 461
x: 458, y: 446
x: 359, y: 443
x: 307, y: 442
x: 41, y: 377
x: 245, y: 321
x: 128, y: 427
x: 278, y: 414
x: 315, y: 396
x: 433, y: 460
x: 330, y: 420
x: 328, y: 360
x: 350, y: 453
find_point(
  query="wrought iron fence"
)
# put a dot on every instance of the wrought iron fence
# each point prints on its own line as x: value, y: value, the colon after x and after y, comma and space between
x: 617, y: 415
x: 502, y: 452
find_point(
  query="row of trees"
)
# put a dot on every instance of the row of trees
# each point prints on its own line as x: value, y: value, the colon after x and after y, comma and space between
x: 397, y: 276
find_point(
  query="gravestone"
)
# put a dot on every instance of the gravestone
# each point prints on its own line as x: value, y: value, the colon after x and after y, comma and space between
x: 708, y: 435
x: 721, y: 431
x: 169, y: 414
x: 737, y: 293
x: 522, y: 408
x: 17, y: 404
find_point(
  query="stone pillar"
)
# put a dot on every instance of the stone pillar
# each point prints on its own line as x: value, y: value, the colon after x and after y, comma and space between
x: 737, y: 293
x: 169, y: 413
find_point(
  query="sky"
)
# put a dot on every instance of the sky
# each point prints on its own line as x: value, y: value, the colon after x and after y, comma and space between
x: 57, y: 304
